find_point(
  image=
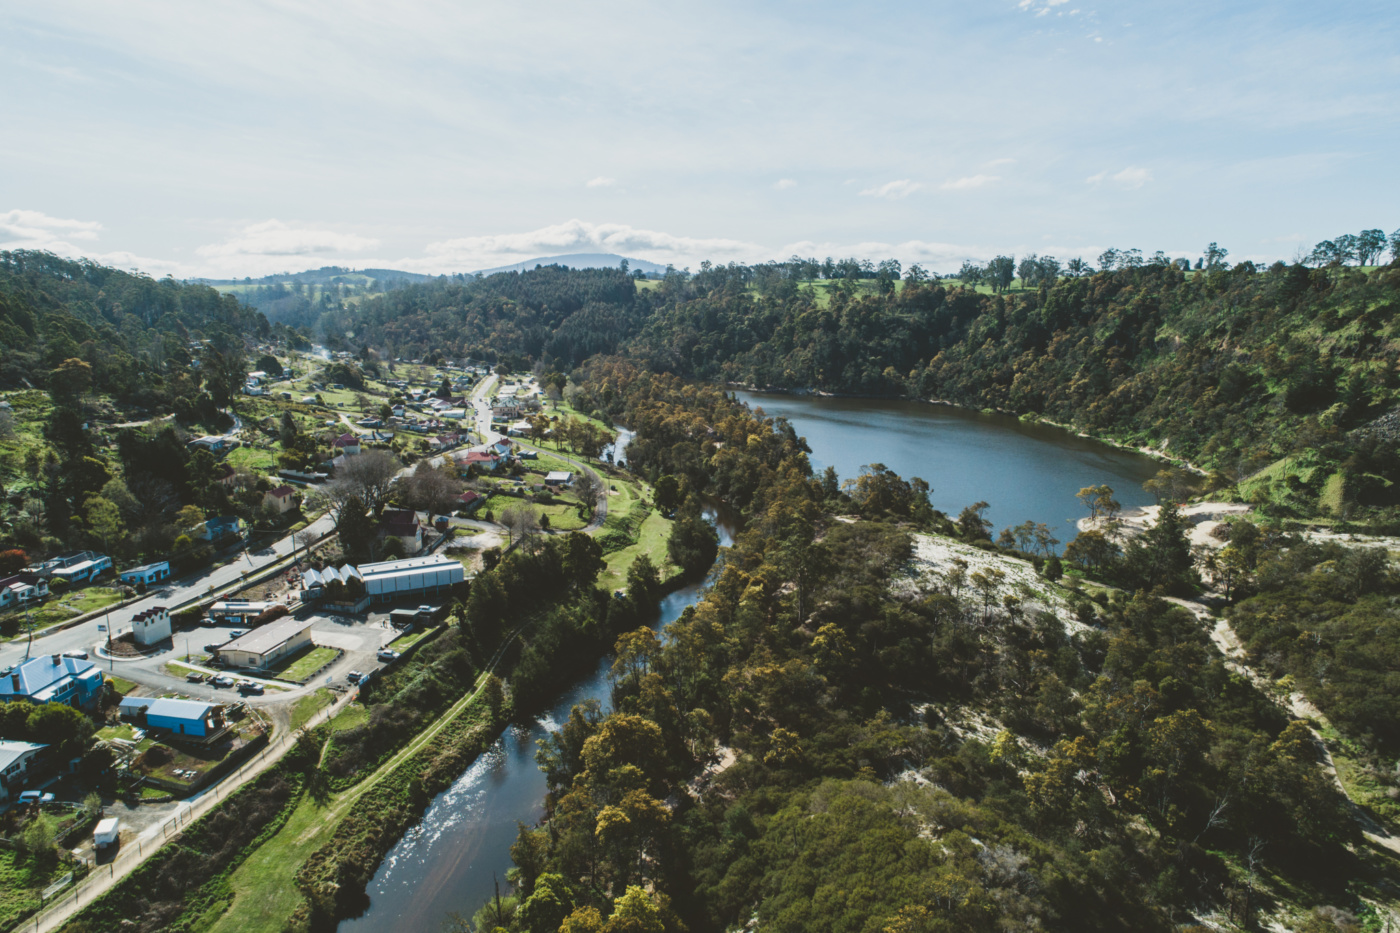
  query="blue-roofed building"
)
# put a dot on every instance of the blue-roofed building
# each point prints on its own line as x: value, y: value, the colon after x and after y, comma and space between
x: 191, y: 718
x: 218, y: 529
x: 53, y: 679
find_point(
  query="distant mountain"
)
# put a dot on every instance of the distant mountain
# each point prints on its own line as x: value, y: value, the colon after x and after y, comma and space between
x: 581, y: 261
x: 326, y: 275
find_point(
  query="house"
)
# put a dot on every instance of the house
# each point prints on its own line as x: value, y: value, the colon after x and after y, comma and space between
x: 444, y: 441
x: 225, y: 474
x: 53, y: 679
x: 21, y: 589
x: 268, y: 644
x: 177, y: 717
x: 404, y: 525
x: 218, y: 529
x: 559, y: 478
x: 284, y: 498
x: 17, y: 760
x: 308, y: 400
x: 147, y: 573
x: 214, y: 443
x: 470, y: 501
x: 256, y: 378
x: 519, y: 429
x: 315, y: 581
x: 347, y: 444
x: 81, y: 568
x: 392, y: 579
x: 151, y: 626
x: 503, y: 447
x: 480, y: 459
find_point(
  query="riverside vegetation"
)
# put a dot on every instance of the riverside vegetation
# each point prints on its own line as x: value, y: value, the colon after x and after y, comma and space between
x: 819, y: 744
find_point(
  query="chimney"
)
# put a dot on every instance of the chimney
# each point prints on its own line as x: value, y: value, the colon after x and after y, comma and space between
x: 14, y: 682
x: 57, y: 660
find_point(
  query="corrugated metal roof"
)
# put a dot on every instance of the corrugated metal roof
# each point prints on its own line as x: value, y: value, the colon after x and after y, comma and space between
x: 264, y: 639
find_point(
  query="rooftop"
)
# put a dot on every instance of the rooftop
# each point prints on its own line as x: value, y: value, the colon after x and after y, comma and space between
x: 44, y: 671
x: 264, y: 639
x: 10, y: 752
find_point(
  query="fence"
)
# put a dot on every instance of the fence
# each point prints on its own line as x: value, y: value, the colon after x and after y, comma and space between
x: 103, y: 877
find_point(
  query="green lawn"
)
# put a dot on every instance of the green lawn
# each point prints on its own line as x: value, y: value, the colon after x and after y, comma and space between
x: 309, y: 706
x: 253, y: 459
x: 655, y: 533
x: 120, y: 731
x: 121, y: 684
x: 404, y: 642
x: 301, y: 666
x: 21, y: 884
x: 351, y: 716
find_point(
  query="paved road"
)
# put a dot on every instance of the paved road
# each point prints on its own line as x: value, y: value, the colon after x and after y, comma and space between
x: 187, y: 589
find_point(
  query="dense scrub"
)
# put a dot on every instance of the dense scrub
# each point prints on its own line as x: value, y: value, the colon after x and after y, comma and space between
x: 912, y: 760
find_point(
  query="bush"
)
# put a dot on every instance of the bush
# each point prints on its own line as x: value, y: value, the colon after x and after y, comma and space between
x: 270, y: 614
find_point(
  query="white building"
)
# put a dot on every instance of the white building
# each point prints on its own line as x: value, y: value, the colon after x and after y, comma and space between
x: 268, y: 644
x: 16, y: 760
x: 147, y: 573
x: 392, y: 579
x: 151, y: 626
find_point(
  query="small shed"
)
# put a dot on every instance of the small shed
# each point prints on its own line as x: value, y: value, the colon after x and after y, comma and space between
x: 106, y: 832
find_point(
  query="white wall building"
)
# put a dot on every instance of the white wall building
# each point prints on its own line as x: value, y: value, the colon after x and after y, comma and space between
x: 392, y: 579
x: 151, y: 626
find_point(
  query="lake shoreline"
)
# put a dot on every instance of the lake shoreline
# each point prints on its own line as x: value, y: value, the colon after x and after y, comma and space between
x: 1153, y: 452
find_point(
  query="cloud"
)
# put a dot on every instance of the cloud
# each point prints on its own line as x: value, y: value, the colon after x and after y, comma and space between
x: 601, y: 182
x: 970, y: 182
x: 578, y: 236
x: 782, y: 184
x: 275, y: 238
x: 995, y: 162
x: 1130, y: 178
x: 893, y: 190
x: 21, y: 229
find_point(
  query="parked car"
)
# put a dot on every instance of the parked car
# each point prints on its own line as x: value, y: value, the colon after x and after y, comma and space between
x: 237, y: 633
x: 34, y: 796
x: 247, y: 686
x: 207, y: 620
x: 387, y: 654
x: 222, y: 680
x: 355, y: 677
x: 195, y: 677
x: 79, y: 654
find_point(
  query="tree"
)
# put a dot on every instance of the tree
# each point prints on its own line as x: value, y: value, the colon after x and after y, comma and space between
x: 368, y: 477
x: 1001, y: 271
x: 1100, y: 502
x: 1161, y: 555
x: 587, y: 488
x: 70, y: 381
x: 643, y: 581
x: 668, y: 493
x: 270, y: 365
x: 355, y: 528
x: 1370, y: 244
x: 103, y: 520
x: 287, y: 433
x: 444, y: 391
x: 12, y: 561
x: 972, y: 525
x: 1215, y: 257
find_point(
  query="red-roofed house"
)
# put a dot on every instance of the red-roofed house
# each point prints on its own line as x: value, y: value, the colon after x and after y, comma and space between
x: 470, y: 501
x: 444, y: 441
x: 347, y: 444
x: 283, y: 497
x: 404, y: 525
x: 480, y: 459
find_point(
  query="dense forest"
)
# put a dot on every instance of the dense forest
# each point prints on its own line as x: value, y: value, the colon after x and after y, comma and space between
x: 1231, y: 368
x: 911, y: 760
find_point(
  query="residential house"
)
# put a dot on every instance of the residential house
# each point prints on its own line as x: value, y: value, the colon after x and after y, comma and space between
x: 22, y: 588
x: 470, y: 501
x: 219, y: 529
x: 147, y: 573
x: 225, y: 474
x: 444, y: 441
x: 404, y: 525
x: 53, y: 678
x: 480, y: 459
x: 17, y: 761
x: 284, y: 498
x: 151, y: 626
x: 214, y: 443
x: 82, y: 567
x: 348, y: 444
x: 192, y: 718
x: 559, y: 478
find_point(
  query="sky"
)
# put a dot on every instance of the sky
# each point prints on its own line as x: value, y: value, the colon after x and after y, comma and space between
x: 226, y: 140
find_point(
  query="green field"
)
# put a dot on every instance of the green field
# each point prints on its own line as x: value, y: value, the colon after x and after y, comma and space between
x: 309, y: 705
x: 253, y: 459
x: 301, y: 666
x: 22, y: 882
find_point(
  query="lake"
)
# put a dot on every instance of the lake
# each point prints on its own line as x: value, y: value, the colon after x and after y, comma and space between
x: 1025, y: 471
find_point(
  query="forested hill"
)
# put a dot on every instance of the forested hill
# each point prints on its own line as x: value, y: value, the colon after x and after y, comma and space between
x: 125, y: 326
x: 1230, y: 368
x: 550, y: 313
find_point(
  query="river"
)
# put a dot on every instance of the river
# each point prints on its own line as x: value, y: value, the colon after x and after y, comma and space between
x: 449, y: 862
x: 1024, y: 471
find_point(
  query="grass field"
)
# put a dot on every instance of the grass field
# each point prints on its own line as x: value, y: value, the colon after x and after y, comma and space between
x: 253, y: 459
x: 301, y: 666
x: 404, y: 642
x: 22, y: 882
x: 309, y: 705
x: 121, y: 684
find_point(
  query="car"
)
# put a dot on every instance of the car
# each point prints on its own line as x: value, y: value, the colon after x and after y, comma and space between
x: 355, y: 677
x: 247, y: 686
x: 195, y: 677
x: 222, y: 680
x: 78, y: 654
x: 388, y: 654
x: 237, y: 633
x: 34, y: 796
x: 207, y: 620
x: 212, y: 648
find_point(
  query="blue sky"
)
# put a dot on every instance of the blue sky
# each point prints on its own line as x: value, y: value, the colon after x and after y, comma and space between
x: 242, y: 139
